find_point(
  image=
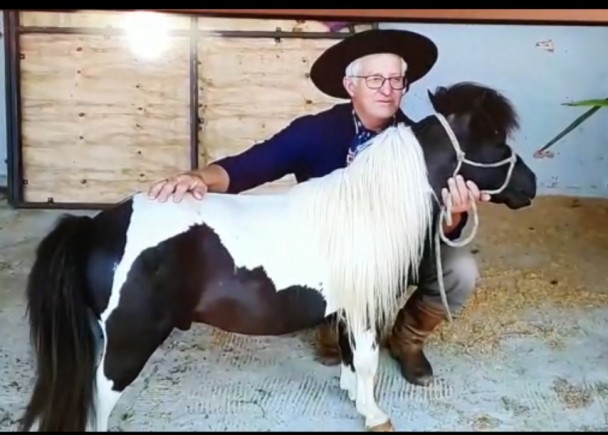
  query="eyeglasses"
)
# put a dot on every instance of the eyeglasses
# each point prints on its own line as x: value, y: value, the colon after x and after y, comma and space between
x: 377, y: 81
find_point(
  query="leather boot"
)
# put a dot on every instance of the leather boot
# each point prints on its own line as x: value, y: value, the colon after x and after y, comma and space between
x: 413, y: 325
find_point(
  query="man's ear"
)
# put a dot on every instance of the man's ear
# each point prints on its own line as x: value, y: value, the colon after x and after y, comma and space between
x: 349, y: 86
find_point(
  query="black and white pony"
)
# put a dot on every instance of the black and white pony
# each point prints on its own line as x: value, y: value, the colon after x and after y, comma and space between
x: 345, y: 243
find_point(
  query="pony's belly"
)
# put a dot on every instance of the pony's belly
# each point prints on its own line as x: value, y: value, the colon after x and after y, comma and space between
x: 251, y: 305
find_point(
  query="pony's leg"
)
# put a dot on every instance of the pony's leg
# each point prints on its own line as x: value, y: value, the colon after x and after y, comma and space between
x: 358, y: 375
x: 107, y: 398
x: 327, y: 350
x: 348, y: 378
x: 130, y: 340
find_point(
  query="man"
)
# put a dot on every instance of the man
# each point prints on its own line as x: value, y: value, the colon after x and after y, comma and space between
x: 373, y: 69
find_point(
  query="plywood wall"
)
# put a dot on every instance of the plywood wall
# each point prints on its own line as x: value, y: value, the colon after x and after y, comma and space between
x: 252, y: 88
x: 99, y: 123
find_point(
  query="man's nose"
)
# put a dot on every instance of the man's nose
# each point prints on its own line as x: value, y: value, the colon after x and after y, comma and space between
x: 386, y: 88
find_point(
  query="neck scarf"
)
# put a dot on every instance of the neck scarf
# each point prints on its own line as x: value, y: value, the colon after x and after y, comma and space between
x: 361, y: 139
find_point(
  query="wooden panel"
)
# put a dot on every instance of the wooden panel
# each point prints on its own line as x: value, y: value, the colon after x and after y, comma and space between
x: 93, y: 19
x: 269, y: 24
x: 490, y: 15
x: 97, y: 122
x: 252, y: 88
x: 258, y: 24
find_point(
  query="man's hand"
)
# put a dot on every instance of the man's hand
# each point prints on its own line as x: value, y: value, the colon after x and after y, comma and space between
x: 178, y: 185
x: 459, y: 193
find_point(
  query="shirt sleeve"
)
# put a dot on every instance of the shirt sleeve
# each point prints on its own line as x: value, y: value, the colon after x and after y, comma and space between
x: 457, y: 232
x: 266, y: 161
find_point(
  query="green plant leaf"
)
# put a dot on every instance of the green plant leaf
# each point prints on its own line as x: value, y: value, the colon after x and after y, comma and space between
x: 593, y: 102
x: 578, y: 121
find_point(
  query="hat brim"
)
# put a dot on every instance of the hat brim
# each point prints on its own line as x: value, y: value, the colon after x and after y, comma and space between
x: 417, y: 50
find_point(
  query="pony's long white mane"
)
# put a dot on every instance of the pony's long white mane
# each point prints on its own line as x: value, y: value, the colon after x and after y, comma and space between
x: 369, y: 222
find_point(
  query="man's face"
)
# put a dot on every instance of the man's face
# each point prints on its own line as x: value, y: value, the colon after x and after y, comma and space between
x: 368, y: 92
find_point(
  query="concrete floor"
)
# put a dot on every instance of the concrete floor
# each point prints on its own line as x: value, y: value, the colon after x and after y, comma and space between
x: 528, y: 354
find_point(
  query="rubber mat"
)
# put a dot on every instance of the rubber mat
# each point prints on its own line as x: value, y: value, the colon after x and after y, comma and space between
x: 205, y: 380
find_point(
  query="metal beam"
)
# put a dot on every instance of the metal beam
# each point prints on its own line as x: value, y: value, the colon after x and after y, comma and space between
x: 484, y: 16
x: 112, y: 31
x: 51, y: 205
x: 194, y: 95
x: 13, y: 109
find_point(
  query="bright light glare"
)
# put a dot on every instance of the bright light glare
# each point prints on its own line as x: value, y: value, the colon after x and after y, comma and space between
x: 147, y: 34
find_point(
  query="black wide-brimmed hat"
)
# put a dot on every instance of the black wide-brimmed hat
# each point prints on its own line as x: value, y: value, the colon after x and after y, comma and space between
x: 417, y: 50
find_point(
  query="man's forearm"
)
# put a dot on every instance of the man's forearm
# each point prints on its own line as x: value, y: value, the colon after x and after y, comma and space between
x: 215, y: 177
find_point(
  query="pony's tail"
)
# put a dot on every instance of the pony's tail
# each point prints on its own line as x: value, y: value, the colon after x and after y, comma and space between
x: 60, y: 329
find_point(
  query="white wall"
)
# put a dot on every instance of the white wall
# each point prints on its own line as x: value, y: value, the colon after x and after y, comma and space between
x: 512, y: 59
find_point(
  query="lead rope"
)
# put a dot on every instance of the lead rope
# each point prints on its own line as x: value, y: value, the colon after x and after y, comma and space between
x: 445, y: 213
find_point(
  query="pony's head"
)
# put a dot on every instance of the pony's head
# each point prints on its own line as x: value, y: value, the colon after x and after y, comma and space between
x: 481, y: 120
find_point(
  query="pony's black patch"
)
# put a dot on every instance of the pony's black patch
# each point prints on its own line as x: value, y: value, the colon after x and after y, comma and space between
x: 247, y: 301
x: 108, y: 240
x: 192, y: 277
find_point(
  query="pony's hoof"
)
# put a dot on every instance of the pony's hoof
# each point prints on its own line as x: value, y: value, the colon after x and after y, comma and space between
x: 328, y: 360
x: 387, y: 426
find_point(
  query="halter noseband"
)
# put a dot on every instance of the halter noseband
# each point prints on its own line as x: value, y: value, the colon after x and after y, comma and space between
x: 445, y: 213
x: 461, y: 157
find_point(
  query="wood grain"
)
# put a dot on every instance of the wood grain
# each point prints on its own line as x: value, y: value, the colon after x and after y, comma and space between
x: 97, y: 19
x: 252, y: 88
x: 100, y: 123
x: 92, y: 111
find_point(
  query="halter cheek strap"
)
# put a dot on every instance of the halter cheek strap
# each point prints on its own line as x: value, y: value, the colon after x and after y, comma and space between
x: 445, y: 214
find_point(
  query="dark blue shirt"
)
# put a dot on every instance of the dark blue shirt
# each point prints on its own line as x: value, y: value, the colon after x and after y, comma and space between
x: 310, y: 146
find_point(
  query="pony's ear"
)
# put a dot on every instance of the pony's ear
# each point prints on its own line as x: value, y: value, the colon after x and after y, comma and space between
x: 431, y: 98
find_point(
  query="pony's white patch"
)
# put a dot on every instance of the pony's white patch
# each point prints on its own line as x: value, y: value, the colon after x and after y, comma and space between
x: 106, y: 397
x: 348, y: 381
x: 365, y: 360
x: 106, y: 400
x: 263, y: 231
x: 35, y: 425
x: 352, y: 234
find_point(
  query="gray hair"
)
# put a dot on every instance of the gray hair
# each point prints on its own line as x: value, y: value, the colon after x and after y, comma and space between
x: 354, y: 67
